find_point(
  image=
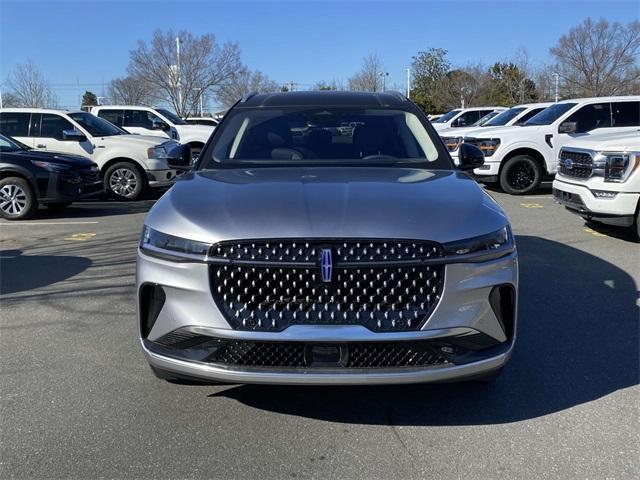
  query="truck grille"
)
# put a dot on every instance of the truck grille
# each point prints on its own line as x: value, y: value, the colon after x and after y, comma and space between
x: 575, y: 164
x: 384, y: 286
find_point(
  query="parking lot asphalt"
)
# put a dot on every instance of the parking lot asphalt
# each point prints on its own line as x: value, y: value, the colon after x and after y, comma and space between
x: 79, y: 401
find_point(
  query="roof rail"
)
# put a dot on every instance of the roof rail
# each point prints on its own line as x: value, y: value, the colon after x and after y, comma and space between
x: 396, y: 94
x: 248, y: 96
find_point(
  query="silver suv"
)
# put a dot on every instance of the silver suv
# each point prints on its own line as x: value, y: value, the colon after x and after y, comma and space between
x: 300, y: 251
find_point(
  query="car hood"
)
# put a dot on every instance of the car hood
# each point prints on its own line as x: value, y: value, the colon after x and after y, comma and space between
x: 497, y: 132
x: 67, y: 159
x: 617, y: 142
x: 201, y: 130
x: 326, y: 202
x: 145, y: 141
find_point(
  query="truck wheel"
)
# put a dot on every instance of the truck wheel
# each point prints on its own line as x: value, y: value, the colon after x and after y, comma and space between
x: 521, y: 174
x: 17, y: 199
x: 124, y: 181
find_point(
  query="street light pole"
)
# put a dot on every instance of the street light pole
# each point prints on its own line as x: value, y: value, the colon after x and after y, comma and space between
x: 384, y: 76
x: 408, y: 82
x: 178, y: 75
x: 556, y: 75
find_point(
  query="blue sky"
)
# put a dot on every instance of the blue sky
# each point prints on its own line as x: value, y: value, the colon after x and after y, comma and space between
x: 88, y: 42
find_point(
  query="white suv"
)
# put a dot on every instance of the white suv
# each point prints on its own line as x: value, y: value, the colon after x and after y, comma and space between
x: 599, y: 178
x: 463, y: 117
x: 158, y: 122
x: 521, y: 157
x: 453, y: 137
x: 127, y: 163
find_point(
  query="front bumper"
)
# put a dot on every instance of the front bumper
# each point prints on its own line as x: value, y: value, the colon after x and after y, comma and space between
x: 464, y: 310
x: 162, y: 178
x: 489, y: 172
x: 64, y: 187
x: 579, y: 199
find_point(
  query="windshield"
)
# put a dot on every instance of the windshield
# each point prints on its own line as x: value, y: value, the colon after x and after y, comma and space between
x: 504, y: 117
x: 447, y: 116
x: 485, y: 119
x: 550, y: 114
x: 314, y: 136
x: 96, y: 126
x: 176, y: 120
x: 10, y: 145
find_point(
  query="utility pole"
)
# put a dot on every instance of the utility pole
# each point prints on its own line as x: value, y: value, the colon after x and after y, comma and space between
x: 556, y: 75
x: 384, y: 76
x: 178, y: 75
x: 200, y: 95
x: 462, y: 97
x: 408, y: 82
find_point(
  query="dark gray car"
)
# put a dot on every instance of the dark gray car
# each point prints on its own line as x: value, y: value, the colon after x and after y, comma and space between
x: 301, y: 251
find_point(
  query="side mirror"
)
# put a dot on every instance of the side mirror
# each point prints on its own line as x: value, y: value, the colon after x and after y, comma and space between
x: 158, y: 124
x: 568, y: 127
x: 179, y: 157
x: 73, y: 136
x: 470, y: 157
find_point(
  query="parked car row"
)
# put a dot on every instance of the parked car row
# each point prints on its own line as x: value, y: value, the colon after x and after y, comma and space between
x: 522, y: 153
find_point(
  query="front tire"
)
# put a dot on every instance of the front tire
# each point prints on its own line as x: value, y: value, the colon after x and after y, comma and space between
x: 124, y: 181
x: 520, y: 175
x: 17, y: 199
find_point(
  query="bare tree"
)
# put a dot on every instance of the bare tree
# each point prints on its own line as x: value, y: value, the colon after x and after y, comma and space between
x: 369, y: 78
x: 599, y: 58
x: 243, y: 83
x: 129, y: 90
x: 9, y: 100
x: 29, y: 87
x: 332, y: 85
x: 180, y: 78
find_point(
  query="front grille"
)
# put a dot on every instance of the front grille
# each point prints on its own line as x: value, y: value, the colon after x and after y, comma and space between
x: 354, y: 355
x: 384, y: 286
x: 575, y: 164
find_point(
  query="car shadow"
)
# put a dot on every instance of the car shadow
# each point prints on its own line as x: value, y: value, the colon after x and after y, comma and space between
x: 577, y: 342
x: 628, y: 234
x: 25, y: 272
x: 544, y: 189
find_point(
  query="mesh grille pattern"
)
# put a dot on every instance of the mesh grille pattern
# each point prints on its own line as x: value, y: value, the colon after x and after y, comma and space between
x: 345, y: 251
x: 380, y: 298
x: 360, y: 355
x: 575, y: 164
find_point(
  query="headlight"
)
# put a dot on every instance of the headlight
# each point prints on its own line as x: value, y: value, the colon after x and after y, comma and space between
x: 618, y: 166
x: 485, y: 247
x: 160, y: 152
x: 452, y: 143
x: 487, y: 145
x: 169, y: 247
x: 51, y: 167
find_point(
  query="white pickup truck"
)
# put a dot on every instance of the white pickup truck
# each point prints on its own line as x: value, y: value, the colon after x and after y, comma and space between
x: 453, y: 137
x: 127, y: 163
x: 463, y: 117
x: 520, y: 157
x: 599, y: 178
x: 158, y: 122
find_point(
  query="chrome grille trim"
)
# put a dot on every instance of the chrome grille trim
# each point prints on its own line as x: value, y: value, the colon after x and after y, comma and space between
x: 576, y: 163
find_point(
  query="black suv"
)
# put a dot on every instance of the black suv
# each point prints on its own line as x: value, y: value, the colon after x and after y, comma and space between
x: 29, y: 178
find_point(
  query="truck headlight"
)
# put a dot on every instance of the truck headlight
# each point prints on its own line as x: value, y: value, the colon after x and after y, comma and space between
x: 618, y: 166
x: 160, y: 152
x: 487, y: 145
x: 170, y: 247
x: 51, y: 166
x: 485, y: 247
x: 452, y: 143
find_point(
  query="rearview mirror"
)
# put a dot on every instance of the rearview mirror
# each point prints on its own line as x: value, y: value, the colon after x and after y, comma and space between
x: 73, y: 136
x: 179, y: 157
x: 568, y: 127
x: 470, y: 157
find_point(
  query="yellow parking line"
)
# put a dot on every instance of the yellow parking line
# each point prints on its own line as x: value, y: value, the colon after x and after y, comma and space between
x: 81, y: 237
x: 593, y: 232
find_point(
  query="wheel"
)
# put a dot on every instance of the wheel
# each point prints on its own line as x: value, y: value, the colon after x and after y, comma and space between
x: 124, y: 181
x: 638, y: 223
x: 521, y: 174
x: 57, y: 206
x: 17, y: 199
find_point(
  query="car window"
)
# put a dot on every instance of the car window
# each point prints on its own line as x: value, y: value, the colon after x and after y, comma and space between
x: 626, y: 114
x: 173, y: 118
x: 530, y: 114
x: 15, y: 124
x: 114, y: 116
x: 139, y: 118
x: 53, y: 125
x: 590, y: 117
x: 447, y: 116
x: 502, y: 118
x: 550, y: 114
x: 467, y: 118
x: 98, y: 127
x: 323, y: 135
